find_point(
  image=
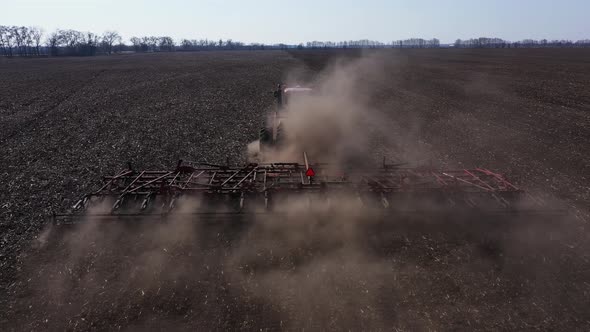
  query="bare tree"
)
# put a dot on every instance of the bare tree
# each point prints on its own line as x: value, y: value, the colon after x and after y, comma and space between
x: 151, y: 42
x: 88, y: 44
x: 71, y: 39
x: 28, y: 34
x: 147, y: 42
x: 19, y: 39
x: 187, y: 44
x: 166, y: 44
x: 6, y: 40
x: 23, y: 35
x: 137, y: 44
x: 36, y: 36
x: 53, y: 42
x: 110, y: 38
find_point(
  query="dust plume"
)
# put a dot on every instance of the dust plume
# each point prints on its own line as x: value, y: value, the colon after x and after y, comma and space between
x: 337, y: 122
x: 125, y: 263
x: 315, y: 261
x: 311, y: 264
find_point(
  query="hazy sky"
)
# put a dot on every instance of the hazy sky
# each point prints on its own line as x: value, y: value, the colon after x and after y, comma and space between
x: 294, y: 21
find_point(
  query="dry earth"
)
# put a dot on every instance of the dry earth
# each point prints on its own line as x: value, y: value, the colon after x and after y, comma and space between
x: 65, y: 122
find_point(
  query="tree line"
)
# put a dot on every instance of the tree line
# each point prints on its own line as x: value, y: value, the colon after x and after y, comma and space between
x: 32, y: 41
x: 484, y: 42
x: 416, y: 43
x: 167, y: 44
x: 72, y: 42
x: 20, y: 40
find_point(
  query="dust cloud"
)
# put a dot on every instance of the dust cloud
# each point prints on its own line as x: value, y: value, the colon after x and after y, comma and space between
x: 338, y: 122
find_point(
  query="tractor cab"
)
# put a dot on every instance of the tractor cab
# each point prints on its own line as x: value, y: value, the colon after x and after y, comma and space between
x: 285, y: 94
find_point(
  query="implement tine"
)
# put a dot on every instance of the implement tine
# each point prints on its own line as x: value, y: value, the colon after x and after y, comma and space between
x: 241, y: 201
x: 384, y: 201
x: 266, y: 199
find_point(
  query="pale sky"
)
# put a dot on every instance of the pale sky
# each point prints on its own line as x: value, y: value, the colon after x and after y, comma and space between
x: 298, y: 21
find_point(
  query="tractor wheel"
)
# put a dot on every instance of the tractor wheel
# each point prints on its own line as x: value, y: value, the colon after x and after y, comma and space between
x: 280, y: 137
x: 265, y: 137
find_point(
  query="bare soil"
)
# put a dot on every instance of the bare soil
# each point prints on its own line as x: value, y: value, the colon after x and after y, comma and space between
x: 67, y: 121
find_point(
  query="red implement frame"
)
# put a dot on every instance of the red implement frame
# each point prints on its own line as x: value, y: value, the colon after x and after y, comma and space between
x: 389, y: 187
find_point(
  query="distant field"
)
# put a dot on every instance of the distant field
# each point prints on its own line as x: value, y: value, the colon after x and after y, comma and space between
x: 67, y: 121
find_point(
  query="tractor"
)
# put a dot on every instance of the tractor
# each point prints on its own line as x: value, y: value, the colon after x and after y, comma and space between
x: 271, y: 135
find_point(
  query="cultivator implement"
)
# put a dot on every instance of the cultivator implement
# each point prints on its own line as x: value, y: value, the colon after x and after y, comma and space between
x: 222, y: 190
